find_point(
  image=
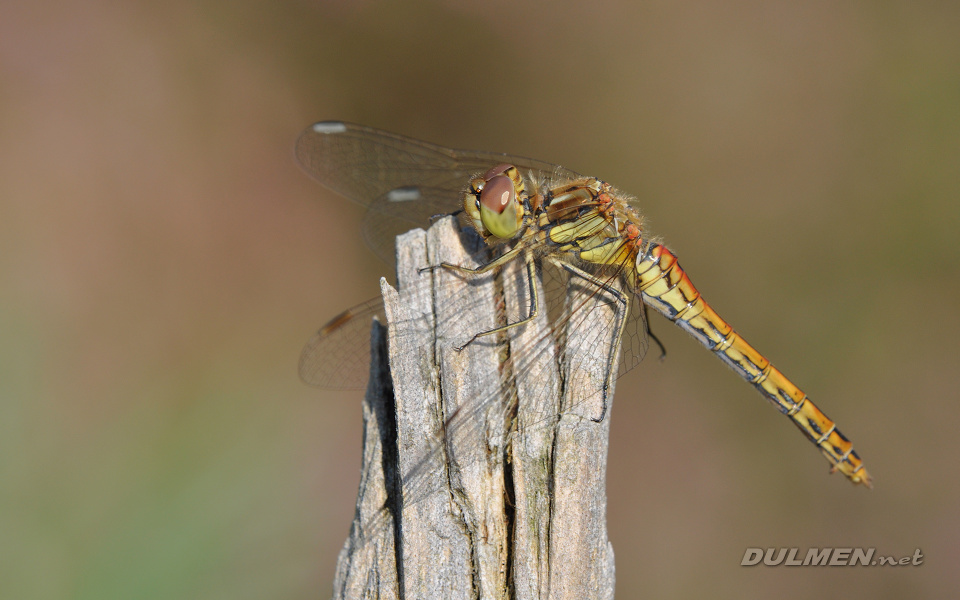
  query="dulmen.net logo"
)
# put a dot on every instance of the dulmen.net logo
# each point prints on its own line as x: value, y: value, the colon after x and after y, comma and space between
x: 826, y: 557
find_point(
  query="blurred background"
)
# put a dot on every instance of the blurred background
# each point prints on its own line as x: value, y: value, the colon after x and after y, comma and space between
x: 163, y: 260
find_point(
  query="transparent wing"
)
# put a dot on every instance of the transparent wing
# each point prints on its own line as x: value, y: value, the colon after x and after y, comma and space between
x: 338, y: 355
x: 567, y: 301
x: 402, y: 181
x: 400, y: 210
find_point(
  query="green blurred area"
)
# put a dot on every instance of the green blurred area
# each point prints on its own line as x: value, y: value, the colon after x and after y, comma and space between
x: 163, y: 260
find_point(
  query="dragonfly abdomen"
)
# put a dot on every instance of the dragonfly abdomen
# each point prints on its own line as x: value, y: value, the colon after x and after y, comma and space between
x: 665, y: 287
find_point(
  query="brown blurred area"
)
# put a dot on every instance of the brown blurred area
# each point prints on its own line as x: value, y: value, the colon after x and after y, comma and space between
x: 163, y: 259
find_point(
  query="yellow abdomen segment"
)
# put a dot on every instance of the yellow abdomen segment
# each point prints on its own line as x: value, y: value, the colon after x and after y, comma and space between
x: 665, y: 287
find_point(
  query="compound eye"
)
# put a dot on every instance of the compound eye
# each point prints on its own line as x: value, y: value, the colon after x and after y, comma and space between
x: 500, y: 212
x: 498, y: 193
x: 497, y: 170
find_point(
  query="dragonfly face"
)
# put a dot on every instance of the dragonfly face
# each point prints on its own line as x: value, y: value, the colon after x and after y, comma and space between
x: 495, y: 203
x: 554, y: 218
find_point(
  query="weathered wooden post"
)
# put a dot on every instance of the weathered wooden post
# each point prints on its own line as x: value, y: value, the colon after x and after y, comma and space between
x: 480, y: 479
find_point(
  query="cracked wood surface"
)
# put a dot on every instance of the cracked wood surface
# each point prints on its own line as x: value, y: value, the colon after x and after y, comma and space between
x: 502, y: 493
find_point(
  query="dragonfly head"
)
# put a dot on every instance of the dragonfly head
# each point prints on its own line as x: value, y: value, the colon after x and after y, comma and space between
x: 494, y: 202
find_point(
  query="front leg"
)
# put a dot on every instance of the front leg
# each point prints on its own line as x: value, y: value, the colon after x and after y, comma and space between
x: 493, y: 264
x: 534, y: 305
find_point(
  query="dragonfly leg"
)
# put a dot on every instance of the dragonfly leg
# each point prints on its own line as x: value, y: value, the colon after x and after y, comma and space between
x: 534, y: 303
x: 620, y: 310
x: 493, y: 264
x: 646, y: 325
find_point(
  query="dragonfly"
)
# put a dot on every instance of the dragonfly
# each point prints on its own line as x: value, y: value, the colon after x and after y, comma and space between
x: 545, y: 218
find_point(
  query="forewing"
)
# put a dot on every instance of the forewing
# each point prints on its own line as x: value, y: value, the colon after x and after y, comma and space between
x: 402, y: 181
